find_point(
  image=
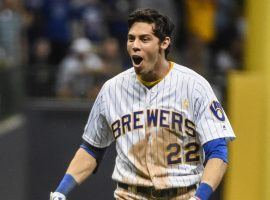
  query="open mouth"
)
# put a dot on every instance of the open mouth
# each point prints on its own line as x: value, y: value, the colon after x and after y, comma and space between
x: 137, y: 59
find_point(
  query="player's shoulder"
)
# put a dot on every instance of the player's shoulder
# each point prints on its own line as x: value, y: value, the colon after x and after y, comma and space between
x: 190, y: 75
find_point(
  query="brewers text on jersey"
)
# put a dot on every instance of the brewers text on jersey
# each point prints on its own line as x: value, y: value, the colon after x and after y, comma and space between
x: 171, y: 120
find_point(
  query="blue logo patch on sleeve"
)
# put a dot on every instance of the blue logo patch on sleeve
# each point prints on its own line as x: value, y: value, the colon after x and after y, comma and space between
x: 217, y: 110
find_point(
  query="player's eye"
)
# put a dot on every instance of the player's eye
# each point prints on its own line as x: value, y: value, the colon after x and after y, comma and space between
x: 145, y: 39
x: 131, y: 39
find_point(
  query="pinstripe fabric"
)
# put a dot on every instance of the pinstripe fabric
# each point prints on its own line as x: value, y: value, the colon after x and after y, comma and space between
x: 159, y: 131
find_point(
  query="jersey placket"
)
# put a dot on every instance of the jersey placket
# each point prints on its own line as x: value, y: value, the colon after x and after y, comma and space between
x: 150, y: 132
x: 147, y: 130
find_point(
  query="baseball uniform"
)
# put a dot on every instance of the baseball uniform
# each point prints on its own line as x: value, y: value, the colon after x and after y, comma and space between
x: 159, y: 132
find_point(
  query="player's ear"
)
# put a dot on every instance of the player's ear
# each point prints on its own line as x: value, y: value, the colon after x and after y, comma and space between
x: 165, y: 43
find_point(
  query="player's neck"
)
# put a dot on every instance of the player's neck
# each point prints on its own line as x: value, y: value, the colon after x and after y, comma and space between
x: 159, y: 71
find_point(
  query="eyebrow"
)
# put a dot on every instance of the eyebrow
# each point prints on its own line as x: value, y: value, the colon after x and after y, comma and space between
x: 142, y: 35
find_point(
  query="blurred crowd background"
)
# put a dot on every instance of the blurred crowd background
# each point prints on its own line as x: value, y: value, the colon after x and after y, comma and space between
x: 56, y: 54
x: 66, y: 49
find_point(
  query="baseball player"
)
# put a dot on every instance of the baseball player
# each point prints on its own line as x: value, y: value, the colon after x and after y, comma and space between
x: 171, y: 132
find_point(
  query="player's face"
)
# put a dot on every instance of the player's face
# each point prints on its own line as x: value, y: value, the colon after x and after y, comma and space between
x: 145, y: 49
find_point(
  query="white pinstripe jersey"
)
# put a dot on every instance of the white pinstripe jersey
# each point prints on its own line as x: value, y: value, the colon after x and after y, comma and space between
x: 159, y: 132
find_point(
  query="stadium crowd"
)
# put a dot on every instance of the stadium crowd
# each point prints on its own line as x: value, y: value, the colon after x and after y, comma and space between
x: 68, y: 48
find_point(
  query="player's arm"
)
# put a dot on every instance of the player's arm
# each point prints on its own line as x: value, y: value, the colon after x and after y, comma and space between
x: 213, y: 172
x: 216, y: 160
x: 83, y: 164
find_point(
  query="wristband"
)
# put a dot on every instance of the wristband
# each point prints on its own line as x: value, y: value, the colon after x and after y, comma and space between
x: 195, y: 198
x: 204, y: 191
x: 67, y: 184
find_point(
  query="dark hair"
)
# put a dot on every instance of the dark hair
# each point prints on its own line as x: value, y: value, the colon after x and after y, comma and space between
x: 163, y: 26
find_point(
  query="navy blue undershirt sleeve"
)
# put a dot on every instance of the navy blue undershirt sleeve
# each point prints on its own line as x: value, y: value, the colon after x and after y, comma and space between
x: 95, y: 152
x: 216, y: 148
